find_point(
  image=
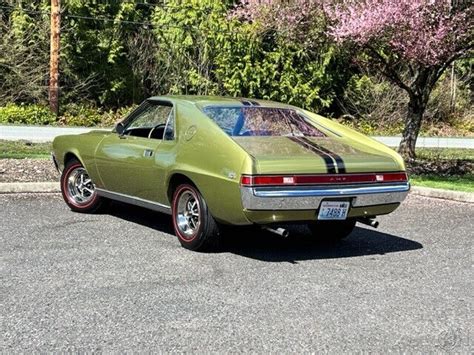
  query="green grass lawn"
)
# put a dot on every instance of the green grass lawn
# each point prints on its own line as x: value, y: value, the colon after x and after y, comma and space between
x: 23, y: 149
x: 459, y: 183
x: 444, y: 153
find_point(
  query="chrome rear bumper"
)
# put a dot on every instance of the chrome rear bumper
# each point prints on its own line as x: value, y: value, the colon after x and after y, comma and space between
x: 310, y: 197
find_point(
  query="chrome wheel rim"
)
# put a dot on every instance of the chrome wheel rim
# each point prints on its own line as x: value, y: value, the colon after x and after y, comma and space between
x: 188, y: 214
x: 80, y: 187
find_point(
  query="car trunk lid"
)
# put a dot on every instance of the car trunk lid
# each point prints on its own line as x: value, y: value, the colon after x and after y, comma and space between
x: 313, y: 155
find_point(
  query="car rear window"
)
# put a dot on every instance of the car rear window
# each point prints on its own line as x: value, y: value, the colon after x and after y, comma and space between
x: 261, y: 121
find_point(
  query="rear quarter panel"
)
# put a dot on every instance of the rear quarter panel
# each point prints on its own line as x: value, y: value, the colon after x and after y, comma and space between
x: 213, y: 161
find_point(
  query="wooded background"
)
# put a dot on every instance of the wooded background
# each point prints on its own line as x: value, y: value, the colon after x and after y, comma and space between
x: 114, y: 54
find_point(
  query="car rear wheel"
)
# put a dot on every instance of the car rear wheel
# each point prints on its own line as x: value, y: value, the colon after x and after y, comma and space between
x: 78, y: 190
x: 332, y: 231
x: 193, y: 224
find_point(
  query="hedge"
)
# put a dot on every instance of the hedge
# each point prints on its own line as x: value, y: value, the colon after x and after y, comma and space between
x: 73, y: 115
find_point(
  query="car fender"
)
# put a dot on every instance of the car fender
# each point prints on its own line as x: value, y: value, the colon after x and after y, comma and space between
x: 221, y: 193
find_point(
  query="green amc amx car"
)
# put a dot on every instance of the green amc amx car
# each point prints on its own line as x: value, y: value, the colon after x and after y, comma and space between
x: 213, y: 161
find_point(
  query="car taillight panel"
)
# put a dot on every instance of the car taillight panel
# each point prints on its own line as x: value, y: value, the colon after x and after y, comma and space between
x: 283, y: 180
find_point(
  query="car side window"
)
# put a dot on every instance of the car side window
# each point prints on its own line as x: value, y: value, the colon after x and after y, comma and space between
x: 152, y: 116
x: 152, y: 122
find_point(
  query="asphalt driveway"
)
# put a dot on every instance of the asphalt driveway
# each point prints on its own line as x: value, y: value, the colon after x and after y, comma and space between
x: 120, y: 281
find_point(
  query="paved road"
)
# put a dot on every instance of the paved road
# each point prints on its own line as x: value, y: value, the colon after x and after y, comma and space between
x: 47, y: 134
x: 431, y: 142
x: 120, y: 281
x: 38, y: 134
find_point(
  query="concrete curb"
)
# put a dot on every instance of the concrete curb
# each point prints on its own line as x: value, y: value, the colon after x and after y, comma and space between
x: 443, y: 194
x: 32, y: 187
x: 28, y: 187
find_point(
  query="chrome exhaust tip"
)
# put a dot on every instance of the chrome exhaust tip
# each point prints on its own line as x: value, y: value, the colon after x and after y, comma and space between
x: 282, y: 232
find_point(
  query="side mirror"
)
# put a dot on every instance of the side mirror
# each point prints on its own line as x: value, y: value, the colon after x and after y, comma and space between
x: 119, y: 128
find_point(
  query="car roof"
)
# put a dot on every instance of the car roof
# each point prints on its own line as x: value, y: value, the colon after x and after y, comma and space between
x: 203, y: 101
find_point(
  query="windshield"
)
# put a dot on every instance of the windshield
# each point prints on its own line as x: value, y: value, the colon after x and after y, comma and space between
x: 261, y: 121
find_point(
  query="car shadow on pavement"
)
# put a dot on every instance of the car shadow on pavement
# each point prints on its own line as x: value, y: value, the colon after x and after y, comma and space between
x: 255, y: 243
x: 139, y: 215
x: 301, y: 245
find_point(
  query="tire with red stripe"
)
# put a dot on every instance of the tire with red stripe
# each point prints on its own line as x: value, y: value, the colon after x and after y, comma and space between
x: 193, y: 224
x: 78, y: 190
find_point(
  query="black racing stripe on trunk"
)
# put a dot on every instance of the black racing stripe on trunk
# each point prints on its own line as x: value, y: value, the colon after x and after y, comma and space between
x: 330, y: 165
x: 341, y: 167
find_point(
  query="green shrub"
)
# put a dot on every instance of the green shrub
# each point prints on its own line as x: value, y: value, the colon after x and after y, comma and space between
x: 26, y: 114
x: 88, y: 116
x: 80, y: 115
x: 465, y: 124
x: 74, y: 115
x: 110, y: 118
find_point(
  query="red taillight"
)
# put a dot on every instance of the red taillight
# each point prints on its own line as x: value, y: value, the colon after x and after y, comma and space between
x: 282, y: 180
x: 246, y: 180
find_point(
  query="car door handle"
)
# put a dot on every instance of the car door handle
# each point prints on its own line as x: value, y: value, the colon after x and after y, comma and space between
x: 147, y: 153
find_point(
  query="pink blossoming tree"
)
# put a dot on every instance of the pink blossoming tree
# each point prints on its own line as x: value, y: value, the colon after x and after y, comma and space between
x: 411, y: 42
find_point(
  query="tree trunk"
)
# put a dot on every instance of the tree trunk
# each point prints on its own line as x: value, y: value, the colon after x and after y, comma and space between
x: 54, y: 57
x: 416, y: 109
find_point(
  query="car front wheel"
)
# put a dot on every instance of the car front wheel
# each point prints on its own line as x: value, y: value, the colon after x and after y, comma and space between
x: 193, y: 224
x: 78, y: 190
x: 332, y: 231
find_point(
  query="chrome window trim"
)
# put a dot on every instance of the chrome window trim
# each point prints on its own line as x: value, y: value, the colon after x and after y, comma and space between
x: 137, y: 201
x: 171, y: 116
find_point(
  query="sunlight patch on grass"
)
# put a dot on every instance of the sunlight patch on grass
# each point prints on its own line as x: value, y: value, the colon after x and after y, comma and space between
x: 24, y: 149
